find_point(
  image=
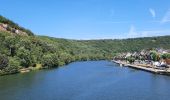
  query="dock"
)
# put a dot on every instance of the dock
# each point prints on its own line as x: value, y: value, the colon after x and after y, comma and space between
x: 151, y: 69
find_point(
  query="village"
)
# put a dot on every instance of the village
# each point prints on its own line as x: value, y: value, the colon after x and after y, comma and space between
x: 151, y: 60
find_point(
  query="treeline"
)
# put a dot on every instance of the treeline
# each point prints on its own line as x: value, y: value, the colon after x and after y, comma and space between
x: 130, y: 45
x: 18, y: 52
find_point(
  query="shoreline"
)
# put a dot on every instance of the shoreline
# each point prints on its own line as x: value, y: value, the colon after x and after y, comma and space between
x: 40, y: 67
x: 147, y: 68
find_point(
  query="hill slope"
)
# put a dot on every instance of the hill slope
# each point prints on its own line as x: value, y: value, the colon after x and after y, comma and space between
x: 10, y: 26
x: 20, y: 51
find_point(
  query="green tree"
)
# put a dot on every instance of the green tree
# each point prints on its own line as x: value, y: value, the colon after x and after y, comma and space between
x: 154, y: 56
x: 165, y: 56
x: 48, y: 60
x: 10, y: 42
x: 130, y: 59
x: 3, y: 61
x: 24, y: 55
x: 13, y: 66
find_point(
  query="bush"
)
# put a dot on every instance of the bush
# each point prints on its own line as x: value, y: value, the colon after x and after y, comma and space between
x: 25, y: 57
x: 3, y: 61
x: 165, y: 56
x: 154, y: 56
x: 130, y: 59
x: 48, y: 60
x: 14, y: 62
x: 12, y: 67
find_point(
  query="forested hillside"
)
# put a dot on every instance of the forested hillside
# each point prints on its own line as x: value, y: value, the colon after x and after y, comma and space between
x: 18, y: 51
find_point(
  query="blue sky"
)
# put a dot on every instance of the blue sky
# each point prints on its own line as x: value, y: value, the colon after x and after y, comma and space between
x: 90, y: 19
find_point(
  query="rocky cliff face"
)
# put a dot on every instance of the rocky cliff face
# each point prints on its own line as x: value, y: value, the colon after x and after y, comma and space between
x: 13, y: 28
x: 2, y: 27
x: 7, y: 28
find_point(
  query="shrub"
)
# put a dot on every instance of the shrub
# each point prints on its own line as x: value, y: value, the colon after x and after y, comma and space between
x: 165, y: 56
x: 130, y: 59
x: 3, y: 61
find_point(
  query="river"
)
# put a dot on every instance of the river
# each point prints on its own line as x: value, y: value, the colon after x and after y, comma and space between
x: 89, y: 80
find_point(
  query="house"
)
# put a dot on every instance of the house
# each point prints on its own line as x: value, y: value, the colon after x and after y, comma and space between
x: 128, y: 55
x: 167, y: 61
x: 157, y: 64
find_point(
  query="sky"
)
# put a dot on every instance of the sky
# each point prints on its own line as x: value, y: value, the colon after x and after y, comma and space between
x: 90, y: 19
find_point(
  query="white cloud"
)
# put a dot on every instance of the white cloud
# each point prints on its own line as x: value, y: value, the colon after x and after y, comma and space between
x: 155, y: 33
x: 152, y: 11
x: 147, y: 33
x: 132, y: 32
x: 166, y: 17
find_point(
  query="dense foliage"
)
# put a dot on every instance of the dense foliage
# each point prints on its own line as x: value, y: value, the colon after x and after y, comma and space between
x: 166, y: 56
x: 130, y: 59
x: 24, y: 51
x: 154, y: 56
x: 17, y: 51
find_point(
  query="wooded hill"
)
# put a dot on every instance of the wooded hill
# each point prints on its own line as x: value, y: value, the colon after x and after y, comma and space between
x: 17, y: 51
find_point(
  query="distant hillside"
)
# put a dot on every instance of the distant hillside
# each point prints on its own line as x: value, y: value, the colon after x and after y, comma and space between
x: 20, y: 51
x: 10, y: 26
x: 130, y: 45
x: 109, y: 47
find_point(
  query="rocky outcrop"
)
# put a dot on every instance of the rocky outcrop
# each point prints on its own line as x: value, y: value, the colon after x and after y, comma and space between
x: 6, y: 27
x: 3, y: 27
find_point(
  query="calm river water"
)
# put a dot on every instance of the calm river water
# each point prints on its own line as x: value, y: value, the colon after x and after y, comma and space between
x: 90, y: 80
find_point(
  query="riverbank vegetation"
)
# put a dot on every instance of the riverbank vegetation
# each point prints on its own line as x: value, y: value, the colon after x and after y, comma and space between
x: 19, y: 51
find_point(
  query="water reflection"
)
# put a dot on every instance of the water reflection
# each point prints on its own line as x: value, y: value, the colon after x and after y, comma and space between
x: 91, y: 80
